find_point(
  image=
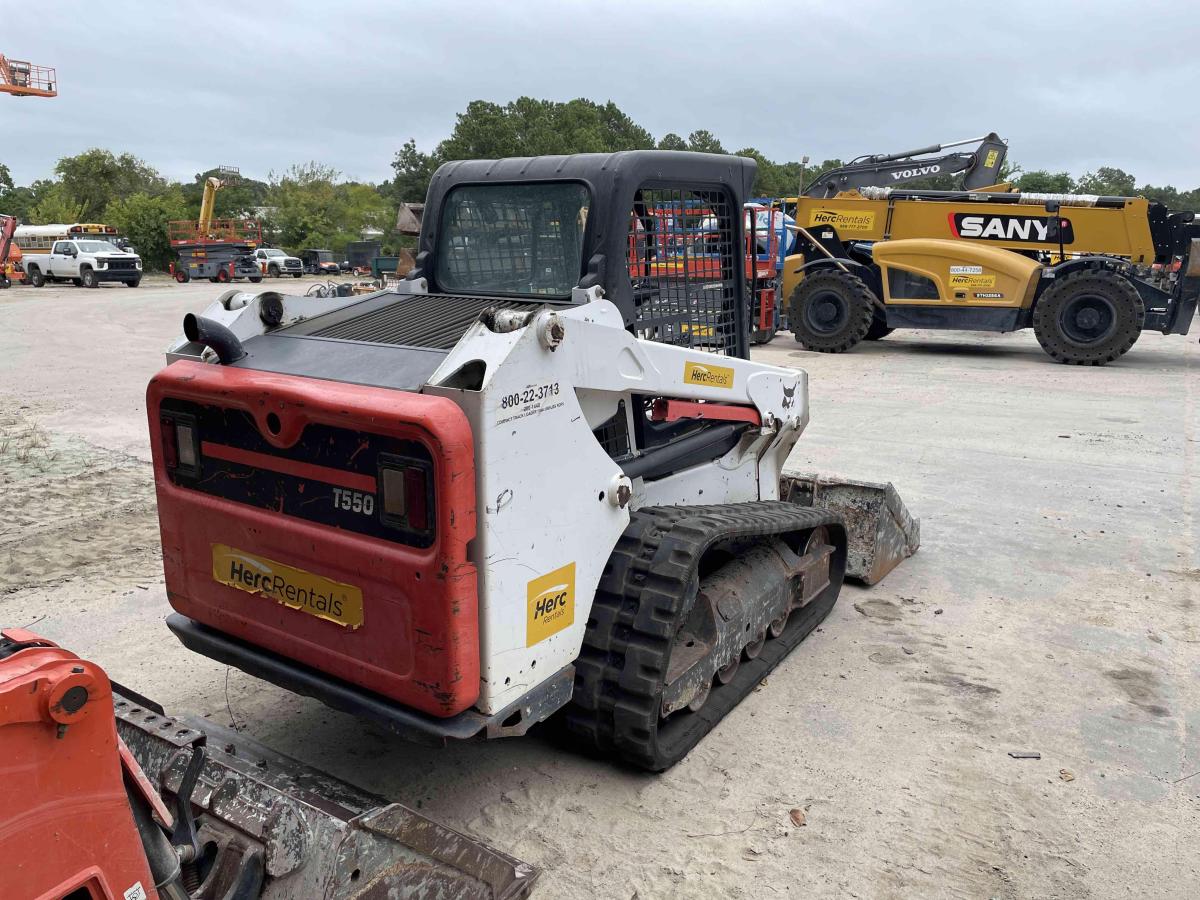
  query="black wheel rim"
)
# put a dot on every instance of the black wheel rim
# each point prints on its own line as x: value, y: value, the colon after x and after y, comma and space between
x: 1088, y: 319
x: 826, y: 312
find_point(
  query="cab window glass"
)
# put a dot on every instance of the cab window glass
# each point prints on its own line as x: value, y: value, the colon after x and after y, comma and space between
x: 904, y: 285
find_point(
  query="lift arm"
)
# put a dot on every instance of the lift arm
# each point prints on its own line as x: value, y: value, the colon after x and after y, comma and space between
x: 979, y: 168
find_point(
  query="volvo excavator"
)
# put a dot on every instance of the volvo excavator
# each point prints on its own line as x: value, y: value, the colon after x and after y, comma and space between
x: 977, y: 168
x: 537, y: 479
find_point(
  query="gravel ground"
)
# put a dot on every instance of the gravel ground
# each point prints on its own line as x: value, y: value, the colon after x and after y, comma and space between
x: 1052, y: 608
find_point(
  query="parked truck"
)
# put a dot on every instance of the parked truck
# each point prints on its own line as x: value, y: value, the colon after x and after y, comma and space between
x: 84, y: 261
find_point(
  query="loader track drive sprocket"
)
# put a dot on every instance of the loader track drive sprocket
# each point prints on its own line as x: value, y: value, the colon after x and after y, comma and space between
x: 538, y: 477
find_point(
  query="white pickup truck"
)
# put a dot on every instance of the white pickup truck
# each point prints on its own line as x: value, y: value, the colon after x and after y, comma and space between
x: 84, y: 261
x: 276, y: 263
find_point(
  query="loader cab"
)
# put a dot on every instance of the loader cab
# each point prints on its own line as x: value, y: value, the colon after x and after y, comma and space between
x: 667, y: 253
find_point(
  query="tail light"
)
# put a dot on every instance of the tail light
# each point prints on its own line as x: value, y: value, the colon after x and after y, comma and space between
x: 406, y: 486
x: 181, y: 445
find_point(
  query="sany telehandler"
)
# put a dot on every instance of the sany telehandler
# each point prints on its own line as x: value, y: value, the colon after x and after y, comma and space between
x: 1077, y: 269
x: 539, y: 477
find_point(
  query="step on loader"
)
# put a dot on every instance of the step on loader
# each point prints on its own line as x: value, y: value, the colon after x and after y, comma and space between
x: 538, y: 477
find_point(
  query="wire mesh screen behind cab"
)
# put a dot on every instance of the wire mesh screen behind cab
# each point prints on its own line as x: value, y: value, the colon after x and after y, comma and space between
x: 680, y: 260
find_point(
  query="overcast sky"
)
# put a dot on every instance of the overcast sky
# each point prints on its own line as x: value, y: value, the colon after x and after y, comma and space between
x: 190, y: 85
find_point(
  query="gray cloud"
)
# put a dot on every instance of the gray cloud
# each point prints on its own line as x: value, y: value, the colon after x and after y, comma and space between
x: 187, y: 86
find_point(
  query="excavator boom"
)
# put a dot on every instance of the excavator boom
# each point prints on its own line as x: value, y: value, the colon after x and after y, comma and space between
x: 979, y: 168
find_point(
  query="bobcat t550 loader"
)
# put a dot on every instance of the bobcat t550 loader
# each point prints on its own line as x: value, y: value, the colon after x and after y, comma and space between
x: 540, y: 475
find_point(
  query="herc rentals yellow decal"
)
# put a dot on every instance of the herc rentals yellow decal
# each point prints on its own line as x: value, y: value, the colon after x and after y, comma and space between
x: 972, y: 281
x: 313, y: 594
x: 707, y: 375
x: 551, y: 604
x: 843, y: 221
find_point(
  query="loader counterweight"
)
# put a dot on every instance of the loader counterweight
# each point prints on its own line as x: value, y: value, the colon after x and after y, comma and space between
x: 276, y: 504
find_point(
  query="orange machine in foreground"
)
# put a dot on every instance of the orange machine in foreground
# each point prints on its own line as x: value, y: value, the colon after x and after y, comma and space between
x: 87, y: 770
x: 67, y: 824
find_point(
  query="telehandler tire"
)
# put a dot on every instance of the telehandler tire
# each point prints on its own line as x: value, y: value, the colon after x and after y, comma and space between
x: 830, y: 311
x: 1089, y: 317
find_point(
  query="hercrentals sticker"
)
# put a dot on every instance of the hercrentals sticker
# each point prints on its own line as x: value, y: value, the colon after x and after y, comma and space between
x: 314, y: 594
x: 972, y: 281
x: 551, y: 604
x: 843, y: 221
x: 707, y: 375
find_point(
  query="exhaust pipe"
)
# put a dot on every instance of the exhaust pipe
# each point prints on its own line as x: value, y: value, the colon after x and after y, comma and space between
x: 223, y: 342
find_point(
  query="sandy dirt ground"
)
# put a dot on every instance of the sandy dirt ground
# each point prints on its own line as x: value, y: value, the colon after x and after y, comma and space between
x: 1053, y: 608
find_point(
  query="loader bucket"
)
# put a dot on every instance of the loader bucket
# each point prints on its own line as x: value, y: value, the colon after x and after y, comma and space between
x: 880, y: 530
x: 280, y: 829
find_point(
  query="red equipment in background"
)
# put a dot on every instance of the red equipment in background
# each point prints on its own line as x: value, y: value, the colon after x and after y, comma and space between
x: 24, y: 79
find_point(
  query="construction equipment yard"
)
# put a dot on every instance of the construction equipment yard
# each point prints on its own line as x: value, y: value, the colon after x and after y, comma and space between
x: 1051, y: 612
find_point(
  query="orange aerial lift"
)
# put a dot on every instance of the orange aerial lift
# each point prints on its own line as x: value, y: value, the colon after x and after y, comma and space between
x: 24, y: 79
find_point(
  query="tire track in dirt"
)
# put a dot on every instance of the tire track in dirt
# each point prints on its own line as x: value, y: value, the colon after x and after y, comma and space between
x: 71, y: 508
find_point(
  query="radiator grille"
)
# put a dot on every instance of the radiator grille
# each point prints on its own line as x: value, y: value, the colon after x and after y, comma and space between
x: 436, y: 321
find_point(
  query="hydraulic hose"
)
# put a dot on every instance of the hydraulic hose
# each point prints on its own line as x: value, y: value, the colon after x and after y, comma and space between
x: 163, y: 860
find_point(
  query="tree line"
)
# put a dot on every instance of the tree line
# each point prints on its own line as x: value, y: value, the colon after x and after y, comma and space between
x: 311, y: 205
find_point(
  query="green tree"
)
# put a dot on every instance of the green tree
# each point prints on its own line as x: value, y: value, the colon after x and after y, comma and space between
x: 143, y: 219
x: 672, y: 141
x: 413, y: 171
x: 1041, y: 181
x: 56, y: 206
x: 1107, y: 181
x: 314, y: 209
x: 95, y: 178
x: 704, y: 142
x: 6, y: 182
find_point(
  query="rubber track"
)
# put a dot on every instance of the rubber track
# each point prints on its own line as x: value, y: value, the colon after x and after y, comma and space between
x: 639, y: 604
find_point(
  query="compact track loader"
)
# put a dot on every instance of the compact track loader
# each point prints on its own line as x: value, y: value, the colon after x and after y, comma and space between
x: 537, y: 476
x: 1077, y: 269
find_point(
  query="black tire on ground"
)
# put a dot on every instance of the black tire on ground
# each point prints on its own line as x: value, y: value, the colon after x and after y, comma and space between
x: 273, y: 271
x: 4, y: 282
x: 134, y: 283
x: 1089, y: 317
x: 182, y: 276
x: 36, y: 278
x: 89, y: 279
x: 223, y: 276
x: 879, y: 328
x: 212, y: 278
x: 830, y: 311
x: 297, y: 274
x: 256, y: 279
x: 78, y: 282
